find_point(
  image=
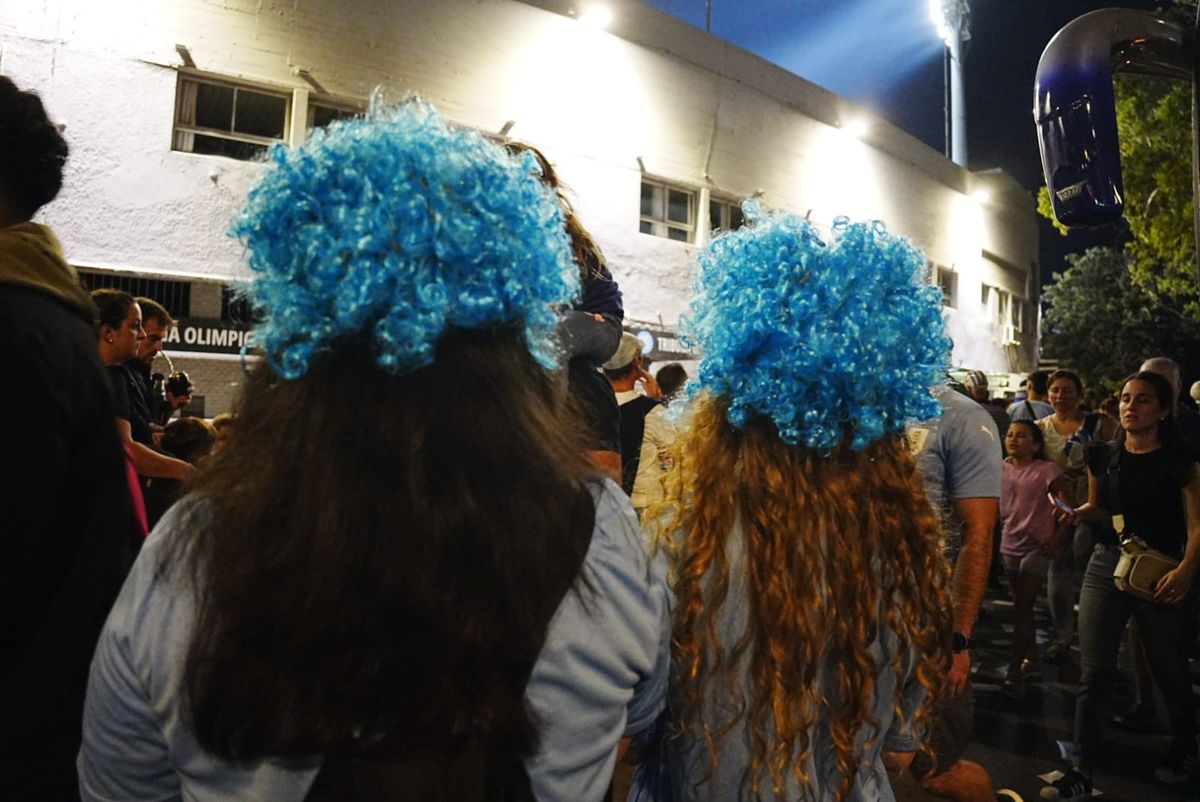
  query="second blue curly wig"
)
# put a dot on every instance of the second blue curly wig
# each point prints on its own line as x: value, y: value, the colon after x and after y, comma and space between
x: 396, y: 228
x: 830, y: 342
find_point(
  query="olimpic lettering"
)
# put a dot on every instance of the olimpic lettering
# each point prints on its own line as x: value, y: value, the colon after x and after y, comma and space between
x: 201, y: 335
x: 172, y: 335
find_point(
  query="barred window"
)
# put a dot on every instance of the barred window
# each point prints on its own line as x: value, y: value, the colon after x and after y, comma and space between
x: 175, y: 296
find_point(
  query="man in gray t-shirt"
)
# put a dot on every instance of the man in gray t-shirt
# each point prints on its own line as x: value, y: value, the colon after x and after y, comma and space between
x: 1034, y: 406
x: 958, y: 456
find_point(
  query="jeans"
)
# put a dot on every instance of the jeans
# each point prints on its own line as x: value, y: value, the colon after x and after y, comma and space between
x: 1060, y: 591
x: 1103, y: 613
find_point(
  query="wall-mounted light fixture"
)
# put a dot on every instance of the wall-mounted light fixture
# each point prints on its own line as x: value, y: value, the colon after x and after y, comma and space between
x: 595, y: 15
x: 856, y: 127
x: 186, y: 55
x: 308, y: 78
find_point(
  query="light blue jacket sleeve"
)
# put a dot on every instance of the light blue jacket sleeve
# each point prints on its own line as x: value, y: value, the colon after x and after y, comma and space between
x: 602, y: 673
x: 901, y: 736
x: 137, y: 746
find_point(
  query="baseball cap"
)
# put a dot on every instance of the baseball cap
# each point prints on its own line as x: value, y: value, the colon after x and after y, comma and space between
x: 629, y: 350
x: 975, y: 380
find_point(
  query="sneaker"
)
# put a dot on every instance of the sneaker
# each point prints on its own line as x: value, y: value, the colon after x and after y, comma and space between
x: 1070, y: 786
x: 1176, y: 770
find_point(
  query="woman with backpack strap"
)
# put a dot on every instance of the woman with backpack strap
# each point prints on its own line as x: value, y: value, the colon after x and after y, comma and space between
x: 1065, y: 433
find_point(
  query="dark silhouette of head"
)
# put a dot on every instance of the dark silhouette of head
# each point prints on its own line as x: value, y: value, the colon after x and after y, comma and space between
x: 671, y: 378
x: 34, y: 153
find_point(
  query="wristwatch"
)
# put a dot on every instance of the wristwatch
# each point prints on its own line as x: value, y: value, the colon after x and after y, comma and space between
x: 961, y: 643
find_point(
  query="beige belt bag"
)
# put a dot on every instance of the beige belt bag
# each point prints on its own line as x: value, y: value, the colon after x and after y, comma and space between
x: 1140, y: 567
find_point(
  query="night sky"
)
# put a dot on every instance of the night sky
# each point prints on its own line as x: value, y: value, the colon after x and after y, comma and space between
x: 886, y: 55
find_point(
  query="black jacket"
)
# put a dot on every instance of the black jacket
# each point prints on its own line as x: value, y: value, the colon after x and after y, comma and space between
x: 65, y: 528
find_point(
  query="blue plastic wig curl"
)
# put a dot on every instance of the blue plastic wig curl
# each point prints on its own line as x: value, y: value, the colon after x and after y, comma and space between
x: 831, y: 342
x: 395, y: 228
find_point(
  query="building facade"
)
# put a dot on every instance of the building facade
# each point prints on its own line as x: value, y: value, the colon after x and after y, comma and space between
x: 659, y: 130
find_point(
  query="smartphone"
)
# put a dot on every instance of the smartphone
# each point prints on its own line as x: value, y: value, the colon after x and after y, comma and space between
x: 1058, y: 502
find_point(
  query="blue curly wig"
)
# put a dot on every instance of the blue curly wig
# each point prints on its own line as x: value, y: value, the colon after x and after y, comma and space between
x: 830, y: 342
x: 394, y: 229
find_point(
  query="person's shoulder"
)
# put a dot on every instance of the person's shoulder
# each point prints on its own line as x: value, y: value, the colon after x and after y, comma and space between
x: 966, y: 415
x: 1180, y: 458
x: 121, y: 372
x: 614, y: 514
x: 1048, y: 468
x: 1099, y: 453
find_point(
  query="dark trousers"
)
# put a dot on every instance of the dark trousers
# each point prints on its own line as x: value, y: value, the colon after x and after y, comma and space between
x: 1103, y: 613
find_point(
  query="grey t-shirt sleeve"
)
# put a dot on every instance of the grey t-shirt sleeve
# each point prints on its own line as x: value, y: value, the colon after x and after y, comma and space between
x: 972, y: 462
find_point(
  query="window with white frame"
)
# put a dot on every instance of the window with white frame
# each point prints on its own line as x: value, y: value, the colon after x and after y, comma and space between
x: 1003, y: 308
x: 946, y: 281
x: 668, y: 211
x: 321, y: 113
x: 228, y: 118
x: 724, y: 215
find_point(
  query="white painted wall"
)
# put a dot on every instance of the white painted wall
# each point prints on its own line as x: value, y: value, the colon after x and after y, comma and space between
x: 696, y: 111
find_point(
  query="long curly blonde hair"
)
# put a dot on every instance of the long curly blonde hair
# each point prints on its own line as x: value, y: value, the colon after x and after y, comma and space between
x: 838, y: 548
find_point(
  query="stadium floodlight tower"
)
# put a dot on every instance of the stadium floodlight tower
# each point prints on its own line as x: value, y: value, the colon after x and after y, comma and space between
x: 952, y: 18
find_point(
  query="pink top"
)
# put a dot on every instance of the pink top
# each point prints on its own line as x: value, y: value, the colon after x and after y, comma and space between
x: 1026, y: 521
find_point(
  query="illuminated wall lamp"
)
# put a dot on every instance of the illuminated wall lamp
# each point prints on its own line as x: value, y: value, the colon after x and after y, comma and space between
x: 856, y: 128
x: 596, y: 16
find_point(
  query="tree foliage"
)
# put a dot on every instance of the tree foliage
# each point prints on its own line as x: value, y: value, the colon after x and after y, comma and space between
x: 1102, y: 324
x: 1154, y: 120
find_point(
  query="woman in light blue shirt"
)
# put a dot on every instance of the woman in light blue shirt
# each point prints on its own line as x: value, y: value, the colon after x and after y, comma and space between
x: 402, y: 578
x: 811, y: 613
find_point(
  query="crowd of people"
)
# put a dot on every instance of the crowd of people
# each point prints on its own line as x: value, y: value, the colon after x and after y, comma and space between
x: 465, y: 546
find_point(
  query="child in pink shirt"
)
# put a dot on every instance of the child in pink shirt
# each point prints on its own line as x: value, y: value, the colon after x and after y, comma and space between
x: 1030, y: 537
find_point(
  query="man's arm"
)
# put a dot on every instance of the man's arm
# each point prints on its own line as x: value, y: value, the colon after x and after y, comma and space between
x: 970, y: 575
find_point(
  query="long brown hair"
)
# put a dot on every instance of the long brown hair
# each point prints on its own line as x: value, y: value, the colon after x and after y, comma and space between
x: 587, y: 253
x: 376, y: 557
x: 838, y: 549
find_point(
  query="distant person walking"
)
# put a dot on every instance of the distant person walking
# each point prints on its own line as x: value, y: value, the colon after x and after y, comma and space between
x: 1034, y: 405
